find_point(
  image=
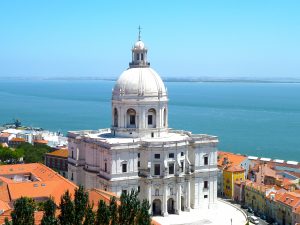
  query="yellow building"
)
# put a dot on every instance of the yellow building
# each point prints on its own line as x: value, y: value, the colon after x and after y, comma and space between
x: 255, y: 197
x: 232, y: 174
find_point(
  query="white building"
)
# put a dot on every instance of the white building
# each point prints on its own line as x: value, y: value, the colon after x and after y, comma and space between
x: 174, y: 170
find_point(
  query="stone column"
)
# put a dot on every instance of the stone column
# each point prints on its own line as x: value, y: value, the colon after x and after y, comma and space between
x: 165, y: 201
x: 178, y: 198
x: 188, y: 195
x: 150, y: 196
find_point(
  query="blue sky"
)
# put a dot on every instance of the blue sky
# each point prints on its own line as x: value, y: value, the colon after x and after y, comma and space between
x: 185, y: 38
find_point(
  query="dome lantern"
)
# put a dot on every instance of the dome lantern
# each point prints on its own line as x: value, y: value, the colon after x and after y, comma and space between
x: 139, y: 54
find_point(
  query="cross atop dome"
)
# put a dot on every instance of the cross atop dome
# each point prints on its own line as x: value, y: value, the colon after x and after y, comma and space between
x: 139, y: 33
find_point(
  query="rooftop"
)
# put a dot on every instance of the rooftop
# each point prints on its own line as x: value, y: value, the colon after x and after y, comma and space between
x: 291, y: 199
x: 17, y: 140
x: 228, y: 159
x: 60, y: 153
x: 105, y: 136
x: 33, y: 180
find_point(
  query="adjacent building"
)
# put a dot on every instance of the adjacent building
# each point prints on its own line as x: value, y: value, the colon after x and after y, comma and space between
x: 58, y: 161
x: 232, y: 168
x: 32, y: 180
x: 174, y: 169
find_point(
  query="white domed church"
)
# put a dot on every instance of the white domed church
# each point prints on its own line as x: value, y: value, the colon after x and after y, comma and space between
x: 174, y: 169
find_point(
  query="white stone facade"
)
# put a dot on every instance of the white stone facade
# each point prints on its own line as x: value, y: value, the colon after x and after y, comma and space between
x: 174, y: 170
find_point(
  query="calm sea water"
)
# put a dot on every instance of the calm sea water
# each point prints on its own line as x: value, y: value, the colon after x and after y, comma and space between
x: 249, y: 118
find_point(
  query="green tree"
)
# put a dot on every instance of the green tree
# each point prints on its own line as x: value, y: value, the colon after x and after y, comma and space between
x: 134, y: 206
x: 103, y: 216
x: 80, y: 202
x: 123, y: 209
x: 23, y: 213
x: 143, y: 217
x: 11, y: 155
x: 33, y: 153
x: 6, y: 222
x: 49, y: 213
x: 129, y: 208
x: 113, y: 209
x: 66, y: 216
x: 89, y: 216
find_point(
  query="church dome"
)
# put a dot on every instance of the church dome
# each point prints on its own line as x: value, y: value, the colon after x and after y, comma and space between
x: 139, y: 82
x: 139, y: 45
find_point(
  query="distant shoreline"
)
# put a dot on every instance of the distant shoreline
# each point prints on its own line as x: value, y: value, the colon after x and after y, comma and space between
x: 169, y: 79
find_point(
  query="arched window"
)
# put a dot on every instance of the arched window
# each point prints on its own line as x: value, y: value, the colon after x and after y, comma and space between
x: 151, y: 118
x: 115, y: 117
x: 142, y: 56
x: 131, y: 118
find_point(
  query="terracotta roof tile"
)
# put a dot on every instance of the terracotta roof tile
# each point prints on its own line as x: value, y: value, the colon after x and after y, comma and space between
x: 59, y: 153
x: 40, y: 141
x: 235, y: 168
x: 291, y: 199
x: 5, y: 135
x: 17, y: 140
x: 231, y: 159
x: 45, y: 183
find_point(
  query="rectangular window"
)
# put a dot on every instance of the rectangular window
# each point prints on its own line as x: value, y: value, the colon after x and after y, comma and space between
x: 157, y: 169
x: 150, y: 118
x: 157, y: 156
x: 171, y: 168
x: 182, y: 154
x: 142, y: 56
x: 205, y: 184
x: 205, y: 196
x: 139, y: 164
x: 139, y: 155
x: 171, y: 155
x: 105, y: 167
x: 124, y: 167
x: 205, y: 160
x: 181, y: 162
x: 132, y: 119
x: 139, y: 189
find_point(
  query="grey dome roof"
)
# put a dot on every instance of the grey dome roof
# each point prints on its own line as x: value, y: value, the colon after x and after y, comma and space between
x: 139, y: 82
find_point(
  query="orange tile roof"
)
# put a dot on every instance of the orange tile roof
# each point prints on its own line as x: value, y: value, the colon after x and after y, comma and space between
x: 60, y: 153
x: 4, y: 215
x: 4, y: 206
x: 38, y: 216
x: 291, y: 199
x: 235, y: 168
x: 46, y: 183
x: 5, y: 135
x: 18, y: 139
x: 232, y: 159
x: 95, y: 195
x: 40, y: 141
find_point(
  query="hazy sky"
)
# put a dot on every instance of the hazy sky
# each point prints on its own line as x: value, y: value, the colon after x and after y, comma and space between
x: 185, y: 38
